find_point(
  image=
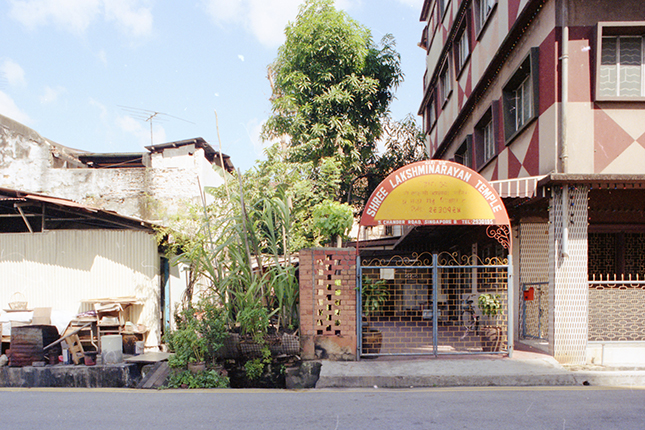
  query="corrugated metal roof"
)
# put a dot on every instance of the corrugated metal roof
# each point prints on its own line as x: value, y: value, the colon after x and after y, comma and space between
x: 7, y: 194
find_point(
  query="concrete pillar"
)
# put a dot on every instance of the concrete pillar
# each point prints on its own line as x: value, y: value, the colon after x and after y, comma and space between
x: 568, y: 281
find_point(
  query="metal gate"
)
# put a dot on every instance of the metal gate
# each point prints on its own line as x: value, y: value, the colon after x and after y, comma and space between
x: 429, y: 304
x: 534, y: 310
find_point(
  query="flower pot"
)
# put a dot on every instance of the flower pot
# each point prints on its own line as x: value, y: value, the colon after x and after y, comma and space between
x: 197, y: 367
x: 372, y: 341
x: 491, y: 338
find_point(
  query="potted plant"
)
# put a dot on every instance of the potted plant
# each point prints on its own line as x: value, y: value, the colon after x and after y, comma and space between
x: 198, y: 336
x: 374, y: 295
x: 491, y: 333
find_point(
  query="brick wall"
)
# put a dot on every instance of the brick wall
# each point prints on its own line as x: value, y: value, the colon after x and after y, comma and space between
x: 328, y: 303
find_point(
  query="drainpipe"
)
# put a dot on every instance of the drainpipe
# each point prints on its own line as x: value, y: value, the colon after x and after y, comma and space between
x: 564, y: 149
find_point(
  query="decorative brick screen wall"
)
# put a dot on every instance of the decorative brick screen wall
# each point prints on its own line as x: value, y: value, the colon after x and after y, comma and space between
x: 328, y: 303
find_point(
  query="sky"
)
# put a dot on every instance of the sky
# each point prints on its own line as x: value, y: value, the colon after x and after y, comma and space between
x: 89, y: 74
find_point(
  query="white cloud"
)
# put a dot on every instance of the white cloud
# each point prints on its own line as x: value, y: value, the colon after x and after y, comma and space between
x: 241, y: 57
x: 225, y: 10
x: 141, y: 130
x: 158, y: 134
x: 101, y: 107
x: 102, y: 55
x: 266, y: 19
x: 133, y: 20
x: 14, y: 74
x: 254, y: 129
x: 51, y: 94
x: 9, y: 109
x: 75, y: 16
x: 348, y: 4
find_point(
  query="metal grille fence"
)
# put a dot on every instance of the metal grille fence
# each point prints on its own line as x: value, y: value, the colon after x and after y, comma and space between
x: 534, y: 271
x: 428, y: 311
x: 616, y: 302
x: 617, y: 310
x: 533, y: 310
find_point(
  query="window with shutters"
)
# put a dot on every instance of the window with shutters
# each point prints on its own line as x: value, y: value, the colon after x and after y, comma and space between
x: 463, y: 153
x: 520, y: 96
x: 483, y: 11
x: 621, y: 63
x: 485, y: 140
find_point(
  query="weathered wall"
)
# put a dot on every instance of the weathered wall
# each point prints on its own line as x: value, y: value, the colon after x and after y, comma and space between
x: 24, y: 156
x: 28, y: 162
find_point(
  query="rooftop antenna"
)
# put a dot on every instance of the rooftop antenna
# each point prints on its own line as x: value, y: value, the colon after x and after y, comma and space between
x: 149, y: 115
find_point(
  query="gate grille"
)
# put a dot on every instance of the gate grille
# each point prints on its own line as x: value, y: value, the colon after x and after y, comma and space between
x: 407, y: 324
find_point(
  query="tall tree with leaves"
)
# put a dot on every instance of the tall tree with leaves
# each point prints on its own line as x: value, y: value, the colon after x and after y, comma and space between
x: 332, y: 87
x: 402, y: 142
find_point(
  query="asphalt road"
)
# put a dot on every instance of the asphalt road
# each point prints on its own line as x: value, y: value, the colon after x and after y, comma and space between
x: 456, y: 408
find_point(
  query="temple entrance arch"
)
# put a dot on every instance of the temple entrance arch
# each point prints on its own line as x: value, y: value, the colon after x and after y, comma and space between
x: 455, y: 247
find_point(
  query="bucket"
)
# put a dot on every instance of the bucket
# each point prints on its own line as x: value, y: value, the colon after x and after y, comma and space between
x: 90, y: 358
x: 112, y: 348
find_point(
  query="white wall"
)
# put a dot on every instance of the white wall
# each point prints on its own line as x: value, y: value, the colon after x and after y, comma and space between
x: 60, y: 269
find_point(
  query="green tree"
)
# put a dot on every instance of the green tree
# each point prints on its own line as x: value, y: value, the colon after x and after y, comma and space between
x: 403, y: 143
x: 332, y: 87
x: 302, y: 184
x: 333, y: 220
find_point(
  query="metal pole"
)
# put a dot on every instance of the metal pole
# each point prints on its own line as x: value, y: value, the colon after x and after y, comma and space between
x: 435, y: 295
x: 511, y: 307
x: 359, y: 307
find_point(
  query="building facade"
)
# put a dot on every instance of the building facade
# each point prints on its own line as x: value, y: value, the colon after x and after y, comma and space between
x: 154, y: 185
x: 546, y: 100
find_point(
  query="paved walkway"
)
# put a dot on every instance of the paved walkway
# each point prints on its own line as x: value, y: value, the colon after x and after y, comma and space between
x: 526, y: 368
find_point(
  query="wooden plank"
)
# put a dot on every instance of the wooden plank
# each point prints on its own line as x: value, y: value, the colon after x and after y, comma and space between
x: 156, y: 377
x: 75, y: 348
x: 149, y: 357
x: 75, y: 332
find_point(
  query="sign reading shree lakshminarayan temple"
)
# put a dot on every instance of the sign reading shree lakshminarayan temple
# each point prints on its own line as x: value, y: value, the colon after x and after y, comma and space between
x: 434, y: 192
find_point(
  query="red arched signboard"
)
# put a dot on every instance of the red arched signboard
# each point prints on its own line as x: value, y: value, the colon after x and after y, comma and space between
x: 434, y: 192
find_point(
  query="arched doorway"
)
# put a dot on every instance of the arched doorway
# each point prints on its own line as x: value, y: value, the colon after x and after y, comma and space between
x: 421, y: 295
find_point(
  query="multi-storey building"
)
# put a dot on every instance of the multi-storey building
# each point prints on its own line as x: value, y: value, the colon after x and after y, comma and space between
x: 546, y: 99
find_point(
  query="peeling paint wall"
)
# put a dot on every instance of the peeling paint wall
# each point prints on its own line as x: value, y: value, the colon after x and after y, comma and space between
x: 28, y: 163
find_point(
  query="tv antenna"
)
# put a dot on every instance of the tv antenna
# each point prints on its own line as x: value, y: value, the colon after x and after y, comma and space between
x: 149, y: 116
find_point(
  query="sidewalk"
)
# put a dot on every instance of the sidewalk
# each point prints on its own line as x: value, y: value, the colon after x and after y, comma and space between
x: 525, y: 368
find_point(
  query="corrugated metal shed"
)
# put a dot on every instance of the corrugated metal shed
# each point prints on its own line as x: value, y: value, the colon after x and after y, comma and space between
x: 75, y: 252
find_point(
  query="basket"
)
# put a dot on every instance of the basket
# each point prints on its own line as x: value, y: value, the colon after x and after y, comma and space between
x: 18, y: 302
